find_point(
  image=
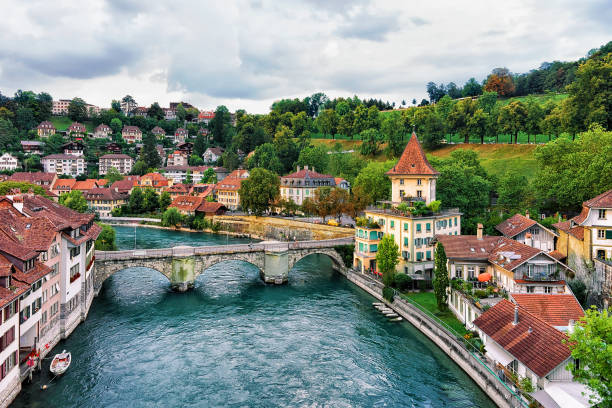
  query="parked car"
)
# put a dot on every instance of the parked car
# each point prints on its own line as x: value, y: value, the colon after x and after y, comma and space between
x: 333, y: 223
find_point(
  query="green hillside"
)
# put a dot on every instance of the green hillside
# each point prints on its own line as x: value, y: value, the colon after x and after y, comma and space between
x: 61, y: 123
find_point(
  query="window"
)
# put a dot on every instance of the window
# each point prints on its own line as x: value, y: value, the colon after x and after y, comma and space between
x: 401, y: 182
x: 429, y: 255
x: 392, y: 224
x: 405, y: 226
x: 74, y: 271
x: 609, y: 234
x: 602, y: 214
x: 402, y: 194
x: 419, y: 193
x: 75, y: 251
x: 419, y: 256
x: 601, y: 234
x: 418, y: 227
x: 43, y: 318
x: 530, y: 289
x: 428, y: 227
x: 418, y: 182
x: 455, y: 221
x: 459, y: 272
x: 54, y: 309
x: 548, y: 289
x: 373, y: 248
x: 470, y: 272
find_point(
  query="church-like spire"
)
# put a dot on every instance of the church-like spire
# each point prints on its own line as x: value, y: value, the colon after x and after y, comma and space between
x: 413, y: 160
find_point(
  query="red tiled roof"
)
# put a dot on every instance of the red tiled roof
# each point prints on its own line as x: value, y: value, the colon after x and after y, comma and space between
x: 510, y: 253
x: 584, y: 213
x: 157, y: 130
x: 208, y: 207
x: 7, y: 295
x: 45, y: 125
x: 515, y: 225
x: 557, y: 255
x: 179, y: 188
x: 187, y: 203
x: 77, y: 127
x: 32, y: 275
x: 541, y: 349
x: 413, y: 160
x: 129, y: 128
x: 62, y: 217
x: 64, y: 184
x: 548, y: 283
x: 468, y: 246
x: 126, y: 184
x: 35, y: 178
x: 306, y: 173
x: 85, y: 185
x: 603, y: 200
x: 556, y: 310
x: 229, y: 183
x: 107, y: 194
x: 36, y: 233
x: 102, y: 126
x: 565, y: 226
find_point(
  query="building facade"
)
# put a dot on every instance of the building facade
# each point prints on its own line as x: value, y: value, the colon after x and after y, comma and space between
x: 103, y: 201
x: 303, y: 183
x: 65, y: 164
x: 527, y: 231
x: 131, y: 134
x: 226, y: 190
x: 8, y: 162
x: 45, y: 129
x: 122, y: 162
x: 102, y: 131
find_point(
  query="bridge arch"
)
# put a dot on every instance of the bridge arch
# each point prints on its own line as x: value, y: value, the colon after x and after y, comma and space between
x: 104, y: 270
x: 297, y: 255
x: 203, y: 263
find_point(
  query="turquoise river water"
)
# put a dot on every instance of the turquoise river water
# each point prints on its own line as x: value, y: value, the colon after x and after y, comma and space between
x: 234, y: 341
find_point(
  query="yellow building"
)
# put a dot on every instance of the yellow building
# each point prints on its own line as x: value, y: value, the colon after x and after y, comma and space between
x: 413, y: 180
x: 104, y: 200
x: 588, y: 235
x: 226, y: 190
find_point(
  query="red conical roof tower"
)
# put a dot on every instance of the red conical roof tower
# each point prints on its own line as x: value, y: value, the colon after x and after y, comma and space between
x: 413, y: 161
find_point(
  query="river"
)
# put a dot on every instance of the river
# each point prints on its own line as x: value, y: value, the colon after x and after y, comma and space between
x: 234, y: 341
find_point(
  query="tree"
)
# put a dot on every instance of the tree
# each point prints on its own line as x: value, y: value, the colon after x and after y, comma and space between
x: 77, y: 110
x: 266, y: 157
x: 9, y: 136
x: 139, y: 168
x: 155, y: 111
x: 106, y: 239
x: 116, y: 105
x: 32, y: 162
x: 209, y: 176
x: 171, y: 217
x: 440, y: 280
x: 373, y: 179
x: 6, y: 187
x: 315, y: 157
x: 471, y: 88
x: 345, y: 124
x: 358, y: 201
x: 591, y: 346
x: 512, y: 119
x: 500, y: 81
x: 459, y: 117
x: 74, y: 200
x: 259, y: 191
x: 113, y: 175
x: 387, y: 258
x: 327, y: 122
x: 590, y: 99
x: 487, y: 101
x: 322, y: 202
x: 571, y: 172
x: 24, y: 118
x: 230, y: 160
x: 393, y: 133
x: 149, y: 153
x: 188, y: 177
x: 339, y: 201
x: 219, y: 126
x: 136, y: 201
x: 164, y: 201
x: 150, y: 200
x: 435, y: 92
x: 478, y: 124
x: 513, y: 191
x: 116, y: 125
x: 370, y: 142
x: 285, y: 147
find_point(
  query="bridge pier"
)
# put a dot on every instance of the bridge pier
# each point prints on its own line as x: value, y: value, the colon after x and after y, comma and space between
x: 183, y: 273
x: 276, y: 267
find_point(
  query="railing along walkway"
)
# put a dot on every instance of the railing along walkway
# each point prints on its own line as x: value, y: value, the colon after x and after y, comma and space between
x: 220, y: 249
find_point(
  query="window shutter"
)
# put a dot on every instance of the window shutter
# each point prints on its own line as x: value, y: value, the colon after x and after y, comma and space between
x: 608, y: 234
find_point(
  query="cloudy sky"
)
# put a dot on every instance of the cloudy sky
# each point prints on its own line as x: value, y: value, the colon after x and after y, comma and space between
x: 248, y: 53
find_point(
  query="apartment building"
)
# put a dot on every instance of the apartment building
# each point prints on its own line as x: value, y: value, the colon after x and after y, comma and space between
x: 65, y: 164
x: 122, y: 162
x: 104, y: 200
x: 303, y: 183
x: 8, y: 162
x: 227, y: 189
x: 76, y: 129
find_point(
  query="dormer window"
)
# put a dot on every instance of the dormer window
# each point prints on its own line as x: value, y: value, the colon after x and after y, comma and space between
x: 602, y: 214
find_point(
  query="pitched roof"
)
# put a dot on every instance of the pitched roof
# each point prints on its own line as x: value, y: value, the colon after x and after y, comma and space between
x: 208, y: 207
x: 468, y: 246
x: 413, y: 160
x: 63, y: 156
x: 556, y: 310
x: 187, y: 203
x: 541, y: 349
x: 35, y: 178
x: 130, y: 128
x: 603, y: 200
x: 33, y: 274
x: 510, y: 253
x: 115, y: 156
x: 515, y: 225
x: 306, y: 173
x: 103, y: 194
x: 565, y: 226
x: 45, y: 125
x: 584, y: 213
x: 557, y: 255
x: 36, y: 233
x: 61, y: 217
x: 102, y: 126
x: 158, y: 130
x: 85, y: 185
x: 64, y: 184
x: 76, y: 126
x: 229, y: 183
x: 124, y: 185
x: 217, y: 151
x: 179, y: 188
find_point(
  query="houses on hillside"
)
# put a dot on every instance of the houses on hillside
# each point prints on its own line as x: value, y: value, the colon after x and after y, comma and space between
x: 227, y: 189
x: 8, y: 162
x: 212, y: 154
x: 45, y: 129
x: 102, y: 131
x: 131, y: 134
x: 66, y: 164
x: 302, y: 184
x: 527, y: 231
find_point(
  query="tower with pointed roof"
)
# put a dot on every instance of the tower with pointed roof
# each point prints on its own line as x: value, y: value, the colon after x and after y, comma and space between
x: 413, y: 178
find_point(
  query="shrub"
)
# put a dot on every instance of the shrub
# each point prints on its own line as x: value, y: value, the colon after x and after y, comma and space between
x: 480, y: 293
x: 388, y: 293
x: 526, y: 385
x: 346, y: 252
x: 402, y: 281
x: 467, y: 288
x: 216, y: 227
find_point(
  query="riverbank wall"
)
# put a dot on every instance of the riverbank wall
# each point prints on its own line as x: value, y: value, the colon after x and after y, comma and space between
x: 471, y: 364
x: 280, y: 229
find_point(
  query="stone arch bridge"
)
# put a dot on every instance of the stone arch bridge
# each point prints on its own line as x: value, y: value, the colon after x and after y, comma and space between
x: 182, y: 265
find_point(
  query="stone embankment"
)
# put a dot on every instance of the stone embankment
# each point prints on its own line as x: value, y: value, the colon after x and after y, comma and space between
x: 470, y: 363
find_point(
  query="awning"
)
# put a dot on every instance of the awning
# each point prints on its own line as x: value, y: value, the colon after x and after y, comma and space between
x: 563, y: 394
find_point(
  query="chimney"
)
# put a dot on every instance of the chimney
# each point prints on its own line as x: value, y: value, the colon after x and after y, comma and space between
x: 479, y: 231
x: 298, y: 168
x: 527, y: 214
x: 515, y: 322
x: 116, y: 189
x: 528, y: 239
x: 570, y: 326
x: 306, y: 167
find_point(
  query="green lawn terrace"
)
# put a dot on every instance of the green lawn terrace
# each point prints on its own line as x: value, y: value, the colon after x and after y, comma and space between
x: 61, y: 123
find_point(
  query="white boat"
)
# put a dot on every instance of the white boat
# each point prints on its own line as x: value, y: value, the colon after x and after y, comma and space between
x: 60, y: 363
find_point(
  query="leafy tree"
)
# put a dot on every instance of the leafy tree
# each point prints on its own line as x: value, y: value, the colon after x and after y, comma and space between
x: 370, y: 144
x: 230, y: 160
x: 188, y: 177
x: 435, y: 92
x: 209, y: 177
x: 219, y: 126
x: 9, y: 136
x: 373, y: 179
x: 149, y: 153
x: 113, y: 175
x: 259, y: 191
x: 346, y: 166
x: 116, y: 105
x: 346, y: 124
x: 571, y: 172
x: 24, y: 118
x: 358, y: 201
x: 116, y: 125
x: 471, y: 88
x: 339, y: 200
x: 393, y: 133
x: 460, y: 115
x: 6, y: 114
x: 139, y: 168
x: 32, y: 163
x: 106, y: 239
x: 487, y: 101
x: 322, y: 202
x: 513, y: 191
x: 171, y: 217
x: 387, y: 258
x: 315, y: 157
x: 500, y: 81
x: 453, y: 91
x: 478, y: 124
x: 429, y: 124
x: 77, y: 110
x: 150, y: 200
x: 327, y: 122
x: 440, y: 280
x: 266, y: 157
x: 136, y: 202
x: 74, y: 200
x: 6, y: 187
x: 156, y: 112
x: 285, y: 147
x: 299, y: 125
x: 591, y: 345
x: 513, y: 118
x: 164, y: 201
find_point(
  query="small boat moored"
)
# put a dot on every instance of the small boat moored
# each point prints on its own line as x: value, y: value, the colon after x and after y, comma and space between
x: 60, y: 363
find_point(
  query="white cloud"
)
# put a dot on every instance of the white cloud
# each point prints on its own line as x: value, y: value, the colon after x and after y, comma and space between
x: 247, y: 53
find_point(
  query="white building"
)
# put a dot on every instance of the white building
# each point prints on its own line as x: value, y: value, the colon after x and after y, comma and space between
x: 303, y: 183
x: 102, y: 131
x: 122, y: 162
x: 66, y: 164
x: 8, y: 162
x: 527, y: 231
x: 212, y: 154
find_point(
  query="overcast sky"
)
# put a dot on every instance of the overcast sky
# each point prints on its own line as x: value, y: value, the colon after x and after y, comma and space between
x: 248, y: 53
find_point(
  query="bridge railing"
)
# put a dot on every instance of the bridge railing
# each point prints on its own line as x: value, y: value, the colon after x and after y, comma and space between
x: 219, y: 249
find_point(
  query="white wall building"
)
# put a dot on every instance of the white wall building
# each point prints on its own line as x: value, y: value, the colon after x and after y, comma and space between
x: 66, y: 164
x: 8, y: 162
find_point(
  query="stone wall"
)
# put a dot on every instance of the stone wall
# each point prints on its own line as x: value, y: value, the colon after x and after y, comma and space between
x: 10, y: 391
x: 281, y: 229
x: 480, y: 373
